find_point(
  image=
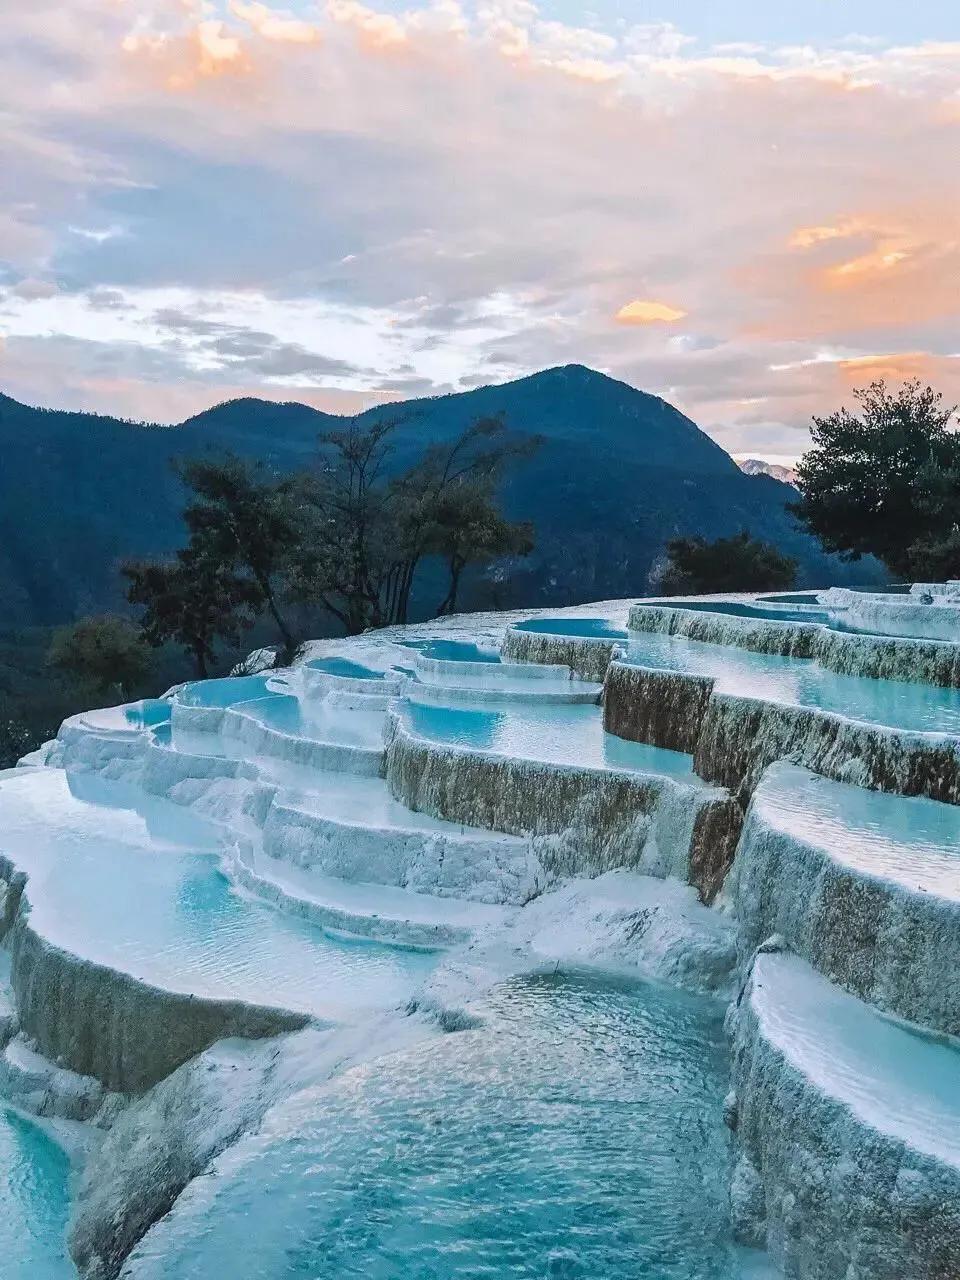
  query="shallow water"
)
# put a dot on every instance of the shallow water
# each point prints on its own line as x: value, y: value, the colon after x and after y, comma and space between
x: 776, y: 609
x: 344, y: 667
x: 893, y: 1076
x: 556, y: 734
x: 740, y: 609
x: 132, y: 882
x: 452, y: 651
x: 222, y: 692
x: 912, y: 840
x: 316, y: 721
x: 34, y: 1202
x: 585, y: 628
x: 802, y: 682
x: 577, y: 1135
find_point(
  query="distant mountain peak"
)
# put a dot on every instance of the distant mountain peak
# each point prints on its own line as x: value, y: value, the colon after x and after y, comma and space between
x: 582, y: 375
x: 757, y: 467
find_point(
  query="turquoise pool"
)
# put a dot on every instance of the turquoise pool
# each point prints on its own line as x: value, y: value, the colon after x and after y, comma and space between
x: 344, y: 667
x: 555, y: 734
x: 34, y: 1202
x: 133, y: 882
x: 740, y: 609
x: 452, y: 651
x: 898, y: 704
x: 223, y: 692
x: 581, y: 628
x: 577, y: 1135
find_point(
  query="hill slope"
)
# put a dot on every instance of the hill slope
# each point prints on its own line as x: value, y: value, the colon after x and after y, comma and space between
x: 619, y: 473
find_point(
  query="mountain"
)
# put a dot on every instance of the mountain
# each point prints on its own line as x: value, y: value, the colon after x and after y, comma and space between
x: 757, y: 467
x: 619, y: 472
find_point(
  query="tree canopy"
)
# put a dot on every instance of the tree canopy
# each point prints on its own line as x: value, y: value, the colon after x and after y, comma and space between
x: 106, y: 655
x: 740, y: 563
x: 348, y: 535
x: 885, y: 480
x: 242, y: 518
x: 370, y: 528
x: 192, y: 600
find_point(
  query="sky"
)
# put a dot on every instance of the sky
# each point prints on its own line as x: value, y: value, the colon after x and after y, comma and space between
x: 747, y: 208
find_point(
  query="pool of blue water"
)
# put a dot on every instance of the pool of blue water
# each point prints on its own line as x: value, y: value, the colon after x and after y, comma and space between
x: 344, y: 667
x: 222, y: 692
x: 148, y: 713
x: 555, y: 734
x: 899, y: 704
x: 577, y: 1135
x: 740, y: 609
x: 585, y: 628
x: 452, y: 650
x: 133, y: 882
x: 316, y: 722
x: 34, y: 1202
x: 773, y: 611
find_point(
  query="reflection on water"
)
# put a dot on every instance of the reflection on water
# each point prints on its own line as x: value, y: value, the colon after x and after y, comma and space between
x: 802, y: 682
x: 911, y: 839
x: 556, y: 734
x: 578, y: 1134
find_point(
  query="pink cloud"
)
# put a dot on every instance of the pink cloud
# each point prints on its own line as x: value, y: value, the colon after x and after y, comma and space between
x: 441, y: 158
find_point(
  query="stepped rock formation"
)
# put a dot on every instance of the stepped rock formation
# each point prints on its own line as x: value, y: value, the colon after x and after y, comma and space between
x: 338, y: 865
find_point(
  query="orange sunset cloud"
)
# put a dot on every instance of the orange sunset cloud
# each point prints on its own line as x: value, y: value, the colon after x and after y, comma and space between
x: 644, y: 311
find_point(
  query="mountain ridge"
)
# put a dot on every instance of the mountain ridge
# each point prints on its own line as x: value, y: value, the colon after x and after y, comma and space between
x: 620, y: 471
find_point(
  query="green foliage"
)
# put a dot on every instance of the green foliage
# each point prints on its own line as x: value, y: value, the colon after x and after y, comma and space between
x: 370, y: 530
x: 740, y: 563
x: 469, y: 529
x: 243, y: 519
x: 107, y: 656
x: 885, y: 481
x: 193, y: 601
x: 35, y: 698
x: 935, y: 559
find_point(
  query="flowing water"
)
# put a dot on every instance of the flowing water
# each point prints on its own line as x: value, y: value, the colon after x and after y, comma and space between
x: 577, y: 1134
x: 34, y: 1202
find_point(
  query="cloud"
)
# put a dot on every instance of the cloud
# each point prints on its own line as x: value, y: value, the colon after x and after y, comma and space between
x: 645, y: 311
x: 274, y: 25
x: 31, y: 289
x: 325, y: 195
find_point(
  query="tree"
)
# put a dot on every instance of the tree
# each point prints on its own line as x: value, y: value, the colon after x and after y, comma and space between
x: 450, y: 505
x: 935, y: 559
x: 370, y: 530
x: 884, y: 481
x: 468, y: 529
x: 106, y: 655
x: 193, y: 601
x: 242, y: 520
x: 347, y: 505
x: 740, y: 563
